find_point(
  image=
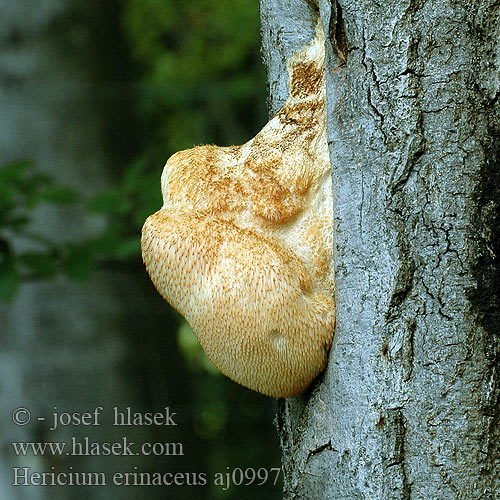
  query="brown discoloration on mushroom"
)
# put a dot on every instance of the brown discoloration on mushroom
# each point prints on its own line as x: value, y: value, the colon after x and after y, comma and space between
x: 242, y: 246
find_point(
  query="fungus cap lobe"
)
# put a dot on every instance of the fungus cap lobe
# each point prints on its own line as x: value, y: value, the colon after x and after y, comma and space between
x: 242, y: 246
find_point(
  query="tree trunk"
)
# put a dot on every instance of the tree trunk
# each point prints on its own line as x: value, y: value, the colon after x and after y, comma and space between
x: 72, y: 345
x: 408, y: 406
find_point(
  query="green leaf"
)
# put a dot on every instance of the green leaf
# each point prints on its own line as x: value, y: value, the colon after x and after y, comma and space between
x: 110, y: 201
x: 40, y: 263
x: 9, y: 279
x: 12, y: 173
x: 115, y: 244
x: 80, y: 261
x: 59, y: 195
x: 13, y: 221
x: 134, y: 175
x: 129, y: 247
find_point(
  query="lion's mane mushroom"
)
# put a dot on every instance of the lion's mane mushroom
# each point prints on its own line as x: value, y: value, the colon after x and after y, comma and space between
x: 242, y: 246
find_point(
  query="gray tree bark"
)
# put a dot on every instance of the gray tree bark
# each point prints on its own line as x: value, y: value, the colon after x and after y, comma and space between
x: 408, y: 407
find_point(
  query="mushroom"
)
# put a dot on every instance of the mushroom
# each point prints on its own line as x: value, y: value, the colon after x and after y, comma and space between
x: 243, y: 244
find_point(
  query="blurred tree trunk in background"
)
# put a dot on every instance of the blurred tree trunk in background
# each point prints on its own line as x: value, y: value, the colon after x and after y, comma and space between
x: 75, y: 345
x: 408, y: 407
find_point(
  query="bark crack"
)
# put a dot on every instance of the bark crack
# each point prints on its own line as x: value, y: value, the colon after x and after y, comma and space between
x: 320, y: 449
x: 436, y: 298
x: 361, y: 204
x: 337, y: 33
x: 371, y: 74
x: 396, y: 435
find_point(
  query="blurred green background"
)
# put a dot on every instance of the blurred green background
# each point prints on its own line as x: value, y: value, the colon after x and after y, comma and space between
x: 94, y: 98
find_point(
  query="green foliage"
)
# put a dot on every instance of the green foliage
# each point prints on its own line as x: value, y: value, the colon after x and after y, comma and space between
x: 132, y: 200
x: 22, y: 189
x: 9, y: 276
x: 202, y: 74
